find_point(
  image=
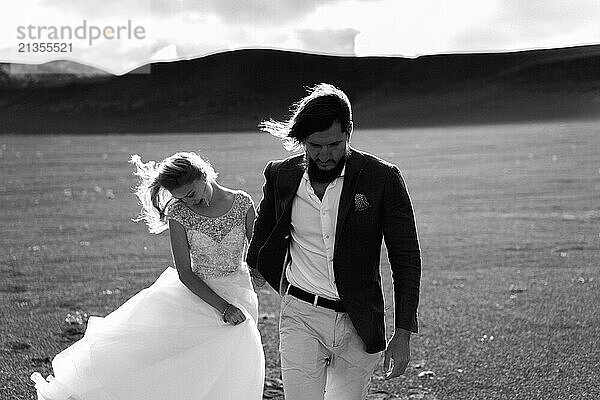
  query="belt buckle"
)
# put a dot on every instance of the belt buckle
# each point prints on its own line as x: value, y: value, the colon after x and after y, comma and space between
x: 315, y: 301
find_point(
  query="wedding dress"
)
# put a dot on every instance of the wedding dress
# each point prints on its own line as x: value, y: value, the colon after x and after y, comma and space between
x: 167, y: 343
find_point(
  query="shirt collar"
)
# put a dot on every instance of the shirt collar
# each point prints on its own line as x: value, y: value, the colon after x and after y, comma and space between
x: 305, y: 175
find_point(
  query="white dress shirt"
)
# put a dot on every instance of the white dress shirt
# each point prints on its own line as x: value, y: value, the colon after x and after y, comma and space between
x: 312, y: 241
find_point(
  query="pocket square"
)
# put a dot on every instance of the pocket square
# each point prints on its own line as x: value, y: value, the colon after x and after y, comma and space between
x: 360, y: 202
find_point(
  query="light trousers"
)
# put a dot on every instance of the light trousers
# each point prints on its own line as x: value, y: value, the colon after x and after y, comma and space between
x: 322, y: 356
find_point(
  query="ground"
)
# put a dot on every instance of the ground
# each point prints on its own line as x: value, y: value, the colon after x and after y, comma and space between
x: 508, y: 219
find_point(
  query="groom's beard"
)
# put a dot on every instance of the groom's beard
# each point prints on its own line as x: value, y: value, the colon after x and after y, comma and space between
x: 324, y: 176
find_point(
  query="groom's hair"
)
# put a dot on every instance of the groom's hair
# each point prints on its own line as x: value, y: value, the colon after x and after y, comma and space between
x: 315, y: 112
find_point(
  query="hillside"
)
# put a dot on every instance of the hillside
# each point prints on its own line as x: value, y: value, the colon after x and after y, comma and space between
x: 235, y: 90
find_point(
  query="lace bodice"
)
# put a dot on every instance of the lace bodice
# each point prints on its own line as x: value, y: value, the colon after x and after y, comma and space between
x: 217, y: 244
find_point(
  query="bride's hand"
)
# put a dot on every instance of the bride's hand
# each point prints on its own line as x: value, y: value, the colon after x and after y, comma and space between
x: 233, y: 315
x: 257, y: 278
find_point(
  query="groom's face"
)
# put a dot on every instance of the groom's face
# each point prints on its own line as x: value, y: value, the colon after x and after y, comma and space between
x: 326, y: 153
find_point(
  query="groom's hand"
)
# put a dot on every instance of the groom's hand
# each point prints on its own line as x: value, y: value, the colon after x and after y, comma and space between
x: 398, y: 351
x: 257, y: 278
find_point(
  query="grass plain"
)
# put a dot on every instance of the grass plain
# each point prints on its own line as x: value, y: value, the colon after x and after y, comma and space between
x: 508, y: 218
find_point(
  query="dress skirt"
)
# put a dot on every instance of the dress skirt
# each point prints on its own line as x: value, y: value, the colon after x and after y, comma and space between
x: 165, y: 343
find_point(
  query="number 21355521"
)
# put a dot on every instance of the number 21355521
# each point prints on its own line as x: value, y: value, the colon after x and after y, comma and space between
x: 36, y: 47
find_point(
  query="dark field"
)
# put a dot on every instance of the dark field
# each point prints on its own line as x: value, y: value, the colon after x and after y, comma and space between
x: 509, y: 223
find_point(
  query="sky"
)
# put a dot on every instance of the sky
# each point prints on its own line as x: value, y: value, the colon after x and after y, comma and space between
x: 118, y: 36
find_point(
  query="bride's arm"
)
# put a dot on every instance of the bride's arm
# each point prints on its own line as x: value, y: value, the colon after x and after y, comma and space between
x: 181, y: 257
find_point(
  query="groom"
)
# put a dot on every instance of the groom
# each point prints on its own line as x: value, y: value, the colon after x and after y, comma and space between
x: 317, y: 240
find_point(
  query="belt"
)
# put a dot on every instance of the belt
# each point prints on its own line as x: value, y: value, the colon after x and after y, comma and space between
x: 315, y: 300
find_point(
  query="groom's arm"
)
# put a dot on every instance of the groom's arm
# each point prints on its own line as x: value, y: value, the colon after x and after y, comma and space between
x: 265, y: 221
x: 400, y: 234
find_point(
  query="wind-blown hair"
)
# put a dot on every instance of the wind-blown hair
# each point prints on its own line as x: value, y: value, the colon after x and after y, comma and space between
x: 316, y: 112
x: 157, y: 179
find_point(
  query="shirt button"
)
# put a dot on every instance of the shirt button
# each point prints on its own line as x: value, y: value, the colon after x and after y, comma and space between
x: 326, y: 236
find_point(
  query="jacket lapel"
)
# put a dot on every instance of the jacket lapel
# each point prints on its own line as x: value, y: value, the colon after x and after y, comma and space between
x: 288, y: 180
x: 354, y: 166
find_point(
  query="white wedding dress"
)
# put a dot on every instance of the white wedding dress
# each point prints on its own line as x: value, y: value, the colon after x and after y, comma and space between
x: 165, y: 342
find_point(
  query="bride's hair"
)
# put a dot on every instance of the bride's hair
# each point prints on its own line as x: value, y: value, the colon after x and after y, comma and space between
x: 157, y: 179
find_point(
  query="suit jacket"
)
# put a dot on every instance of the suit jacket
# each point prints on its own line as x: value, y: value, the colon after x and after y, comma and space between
x: 374, y: 205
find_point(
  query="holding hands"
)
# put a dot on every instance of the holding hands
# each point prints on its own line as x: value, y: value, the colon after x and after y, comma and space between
x: 257, y: 278
x: 233, y: 315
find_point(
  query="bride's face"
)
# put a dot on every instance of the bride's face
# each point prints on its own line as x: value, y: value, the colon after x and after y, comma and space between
x: 197, y: 193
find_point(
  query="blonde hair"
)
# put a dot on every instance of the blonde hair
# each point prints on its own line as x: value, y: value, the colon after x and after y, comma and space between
x: 157, y: 179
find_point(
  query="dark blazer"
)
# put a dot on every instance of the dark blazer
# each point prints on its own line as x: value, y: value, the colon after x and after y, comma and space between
x: 387, y: 213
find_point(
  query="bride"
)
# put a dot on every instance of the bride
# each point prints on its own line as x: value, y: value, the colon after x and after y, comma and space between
x: 193, y: 333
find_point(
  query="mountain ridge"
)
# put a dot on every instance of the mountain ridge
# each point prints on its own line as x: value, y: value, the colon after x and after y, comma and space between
x: 234, y: 91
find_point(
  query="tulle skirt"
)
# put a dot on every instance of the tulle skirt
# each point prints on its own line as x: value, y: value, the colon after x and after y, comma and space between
x: 164, y: 343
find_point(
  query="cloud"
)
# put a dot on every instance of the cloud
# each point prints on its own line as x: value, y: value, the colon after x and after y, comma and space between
x: 258, y: 12
x: 327, y: 41
x: 266, y: 12
x: 165, y: 53
x: 92, y: 9
x: 534, y: 24
x: 552, y: 11
x: 191, y: 28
